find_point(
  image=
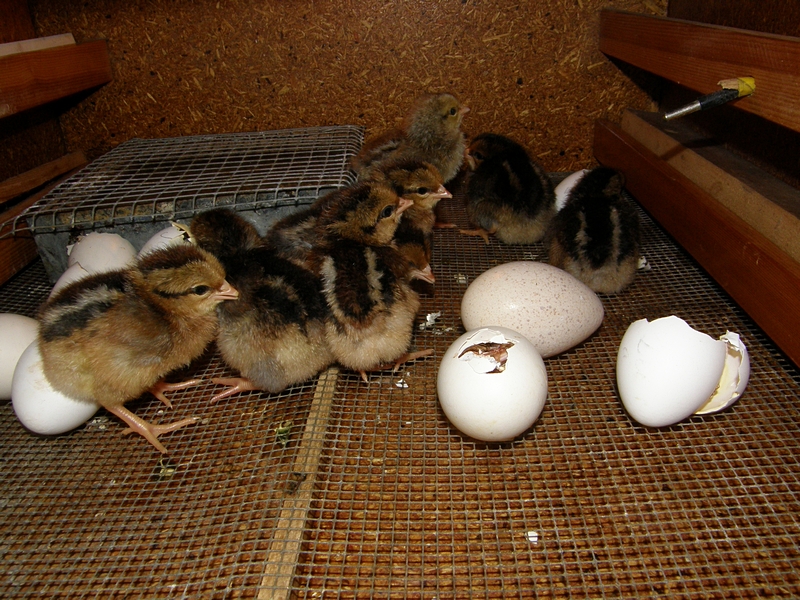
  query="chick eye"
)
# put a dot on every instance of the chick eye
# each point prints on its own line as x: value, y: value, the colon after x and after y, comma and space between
x: 422, y: 191
x: 453, y: 112
x: 200, y: 290
x: 478, y: 155
x: 387, y: 211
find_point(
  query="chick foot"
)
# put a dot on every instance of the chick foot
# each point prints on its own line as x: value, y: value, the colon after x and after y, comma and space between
x: 158, y: 389
x: 408, y: 357
x: 477, y: 232
x: 148, y: 430
x: 235, y: 385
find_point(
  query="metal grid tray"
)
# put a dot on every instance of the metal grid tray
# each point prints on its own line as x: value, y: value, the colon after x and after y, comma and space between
x: 341, y: 489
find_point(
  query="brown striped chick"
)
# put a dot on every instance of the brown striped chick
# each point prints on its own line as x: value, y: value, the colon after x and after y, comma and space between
x: 274, y: 334
x: 508, y: 194
x: 421, y: 183
x: 365, y: 280
x: 110, y: 337
x: 595, y: 237
x: 431, y: 133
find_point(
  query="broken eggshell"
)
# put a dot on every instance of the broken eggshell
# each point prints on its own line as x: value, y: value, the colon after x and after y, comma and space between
x: 101, y: 252
x: 667, y: 371
x: 492, y: 384
x: 169, y: 236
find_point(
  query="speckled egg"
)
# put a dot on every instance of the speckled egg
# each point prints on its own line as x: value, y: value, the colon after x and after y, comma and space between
x: 548, y: 306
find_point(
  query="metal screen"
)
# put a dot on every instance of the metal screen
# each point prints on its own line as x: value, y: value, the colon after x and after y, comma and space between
x: 342, y: 489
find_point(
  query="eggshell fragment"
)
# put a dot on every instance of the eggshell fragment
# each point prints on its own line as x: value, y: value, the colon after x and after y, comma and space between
x: 100, y: 252
x: 667, y: 371
x: 73, y: 273
x: 492, y: 384
x: 37, y: 405
x: 174, y: 234
x: 16, y: 334
x: 548, y: 306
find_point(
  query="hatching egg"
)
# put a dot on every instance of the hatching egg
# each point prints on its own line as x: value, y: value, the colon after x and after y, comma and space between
x: 100, y: 252
x: 492, y: 384
x: 565, y: 187
x: 667, y: 371
x: 174, y: 234
x: 548, y: 306
x: 16, y: 333
x: 37, y: 405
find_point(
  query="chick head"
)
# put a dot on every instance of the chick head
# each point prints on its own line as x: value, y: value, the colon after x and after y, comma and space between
x: 367, y: 213
x: 414, y: 180
x: 437, y: 115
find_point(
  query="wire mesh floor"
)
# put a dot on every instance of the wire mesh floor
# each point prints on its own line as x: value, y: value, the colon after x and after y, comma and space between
x: 341, y: 489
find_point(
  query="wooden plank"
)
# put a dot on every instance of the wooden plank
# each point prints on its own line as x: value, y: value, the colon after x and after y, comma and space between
x: 35, y: 78
x: 761, y: 278
x: 697, y: 56
x: 284, y: 550
x: 16, y: 23
x: 30, y: 180
x: 18, y: 251
x: 42, y: 43
x: 771, y: 206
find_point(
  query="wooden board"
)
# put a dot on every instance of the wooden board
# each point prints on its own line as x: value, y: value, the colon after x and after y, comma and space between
x: 31, y: 45
x: 34, y: 78
x: 771, y: 206
x: 760, y: 277
x: 697, y: 56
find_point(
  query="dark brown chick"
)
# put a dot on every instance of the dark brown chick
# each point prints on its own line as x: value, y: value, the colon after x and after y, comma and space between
x: 431, y: 133
x: 508, y: 194
x: 421, y: 183
x: 365, y: 280
x: 274, y: 333
x: 595, y: 237
x: 110, y: 337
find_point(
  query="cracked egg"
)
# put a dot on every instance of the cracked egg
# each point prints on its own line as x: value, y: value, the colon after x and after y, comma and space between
x: 492, y: 384
x: 667, y: 371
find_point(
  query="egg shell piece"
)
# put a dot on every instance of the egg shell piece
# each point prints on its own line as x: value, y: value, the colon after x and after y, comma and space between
x: 16, y: 334
x: 735, y: 375
x: 666, y: 370
x: 37, y: 405
x: 166, y: 237
x: 487, y: 405
x: 101, y: 252
x: 565, y: 187
x: 73, y: 273
x: 549, y: 306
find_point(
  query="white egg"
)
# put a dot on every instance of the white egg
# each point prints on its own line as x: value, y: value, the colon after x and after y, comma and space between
x: 565, y: 187
x: 549, y: 306
x: 73, y: 273
x: 667, y: 371
x: 16, y: 333
x: 37, y: 405
x: 492, y: 384
x: 174, y: 234
x: 100, y: 252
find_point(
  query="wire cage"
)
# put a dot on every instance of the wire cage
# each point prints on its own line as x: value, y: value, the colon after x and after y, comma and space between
x: 340, y: 488
x: 143, y: 184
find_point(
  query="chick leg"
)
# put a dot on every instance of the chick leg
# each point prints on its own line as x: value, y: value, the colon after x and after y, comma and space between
x: 478, y: 232
x: 148, y: 430
x: 408, y: 357
x: 158, y: 389
x: 235, y: 386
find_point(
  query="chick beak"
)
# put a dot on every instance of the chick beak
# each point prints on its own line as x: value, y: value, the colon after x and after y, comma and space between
x: 442, y: 193
x: 403, y: 204
x: 226, y: 292
x: 425, y: 274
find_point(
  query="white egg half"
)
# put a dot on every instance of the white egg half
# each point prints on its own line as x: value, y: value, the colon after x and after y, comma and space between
x: 549, y: 306
x: 16, y: 333
x: 667, y: 371
x: 492, y: 384
x: 100, y: 252
x: 565, y: 187
x: 174, y: 234
x: 37, y: 405
x: 73, y: 273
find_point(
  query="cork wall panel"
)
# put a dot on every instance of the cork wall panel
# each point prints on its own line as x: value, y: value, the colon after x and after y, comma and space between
x: 530, y: 70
